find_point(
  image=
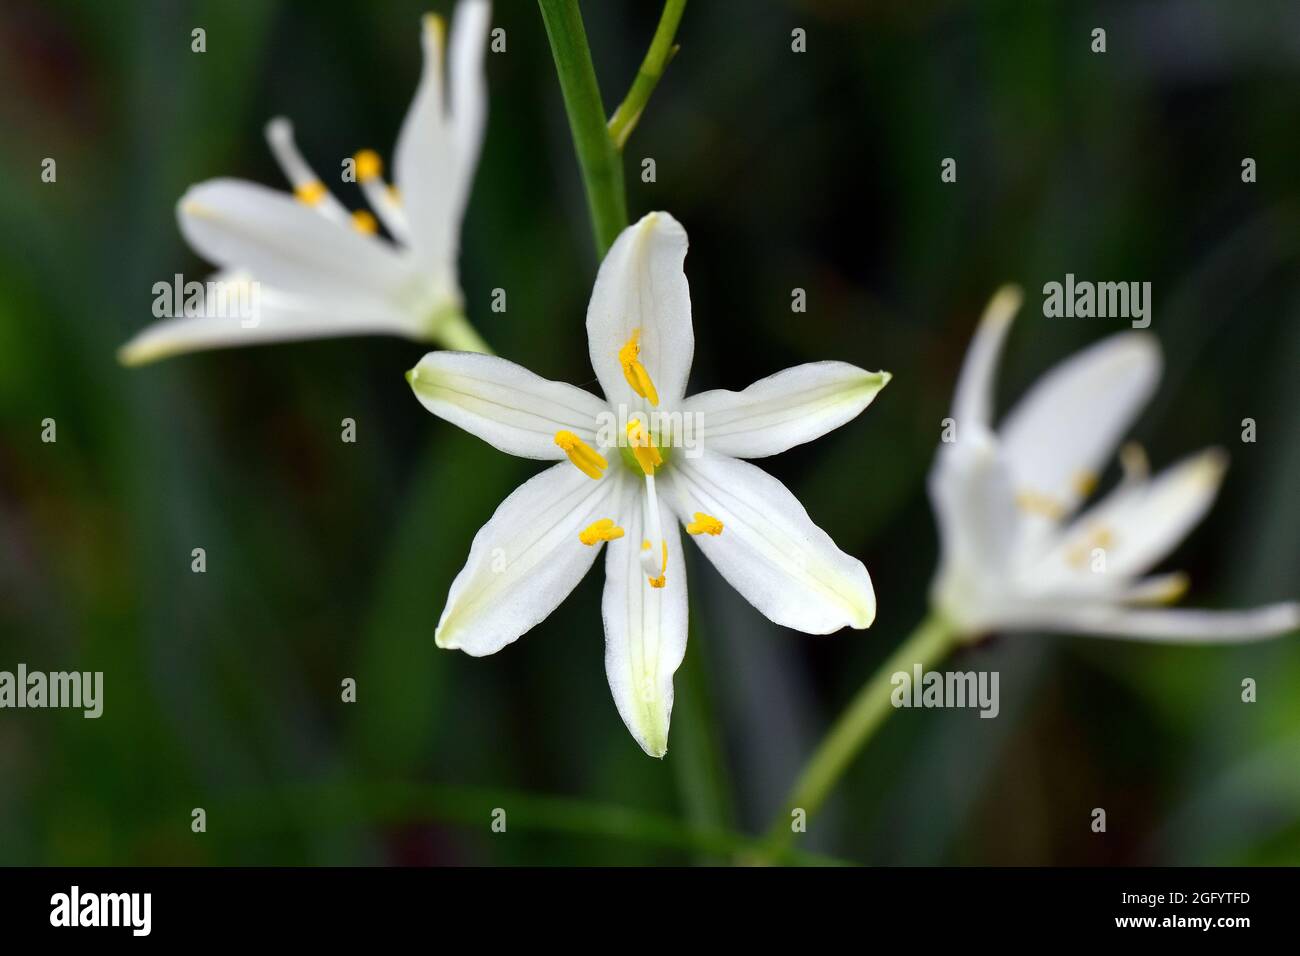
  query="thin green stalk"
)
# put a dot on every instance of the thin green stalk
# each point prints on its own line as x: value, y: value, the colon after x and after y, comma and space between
x: 456, y: 333
x: 602, y: 166
x: 661, y: 51
x: 932, y: 640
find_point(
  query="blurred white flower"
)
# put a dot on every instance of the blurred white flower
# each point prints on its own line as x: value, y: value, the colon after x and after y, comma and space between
x: 323, y: 271
x: 626, y: 459
x: 1016, y: 556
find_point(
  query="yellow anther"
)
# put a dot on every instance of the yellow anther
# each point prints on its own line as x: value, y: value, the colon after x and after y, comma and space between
x: 704, y: 524
x: 602, y: 530
x: 659, y: 581
x: 1084, y: 482
x: 589, y: 461
x: 369, y: 165
x: 310, y: 193
x: 634, y: 371
x: 643, y: 447
x: 1039, y: 504
x: 1099, y: 537
x: 362, y: 221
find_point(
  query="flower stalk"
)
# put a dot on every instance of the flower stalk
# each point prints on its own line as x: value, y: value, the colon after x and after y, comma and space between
x: 656, y: 59
x: 933, y: 639
x: 601, y: 164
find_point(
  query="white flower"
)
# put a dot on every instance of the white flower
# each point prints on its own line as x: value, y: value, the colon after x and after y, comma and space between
x: 1015, y: 556
x: 322, y: 271
x: 638, y: 461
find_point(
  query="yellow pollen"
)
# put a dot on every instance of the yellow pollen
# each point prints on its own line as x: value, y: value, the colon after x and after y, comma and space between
x: 659, y: 581
x: 704, y: 524
x: 1085, y: 483
x: 1175, y: 591
x: 1100, y: 537
x: 635, y: 372
x: 589, y: 461
x: 643, y: 448
x: 602, y: 530
x: 310, y: 193
x: 1039, y: 504
x: 369, y: 165
x: 363, y: 222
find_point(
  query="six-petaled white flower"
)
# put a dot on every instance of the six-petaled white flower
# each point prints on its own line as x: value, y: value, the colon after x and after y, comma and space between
x: 630, y: 477
x: 324, y: 271
x: 1016, y: 556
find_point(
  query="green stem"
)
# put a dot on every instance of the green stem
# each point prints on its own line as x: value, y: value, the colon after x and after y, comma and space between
x: 602, y: 168
x: 661, y: 51
x: 933, y: 638
x: 456, y: 333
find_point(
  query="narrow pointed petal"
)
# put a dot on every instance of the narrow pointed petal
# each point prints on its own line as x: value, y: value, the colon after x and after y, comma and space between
x: 524, y: 561
x: 1175, y: 626
x: 286, y: 245
x: 783, y: 410
x: 973, y: 402
x: 469, y: 95
x: 979, y: 525
x: 1142, y: 522
x: 642, y: 285
x: 278, y: 317
x: 645, y: 630
x: 770, y: 550
x: 504, y: 404
x: 426, y: 170
x: 1060, y: 435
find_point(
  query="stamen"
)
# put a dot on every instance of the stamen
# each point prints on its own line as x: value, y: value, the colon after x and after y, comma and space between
x: 656, y: 571
x: 380, y: 195
x: 369, y: 165
x: 363, y: 222
x: 1040, y: 504
x: 602, y: 530
x: 635, y: 372
x: 1084, y: 483
x: 704, y: 524
x: 1099, y: 537
x: 589, y: 461
x: 310, y: 193
x: 643, y: 447
x: 306, y: 184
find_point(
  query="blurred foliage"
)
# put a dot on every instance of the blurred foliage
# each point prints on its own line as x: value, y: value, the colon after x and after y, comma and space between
x: 820, y: 171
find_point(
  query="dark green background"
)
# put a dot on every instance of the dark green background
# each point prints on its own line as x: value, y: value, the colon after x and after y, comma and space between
x: 821, y: 170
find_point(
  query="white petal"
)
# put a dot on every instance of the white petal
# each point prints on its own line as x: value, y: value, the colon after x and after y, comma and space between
x: 642, y: 285
x: 783, y: 410
x: 979, y: 526
x: 1181, y: 626
x: 770, y: 550
x: 277, y: 317
x: 1062, y: 432
x: 973, y: 402
x: 504, y: 404
x: 525, y: 560
x: 1142, y: 521
x: 284, y: 244
x: 469, y: 34
x: 425, y: 167
x: 645, y: 630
